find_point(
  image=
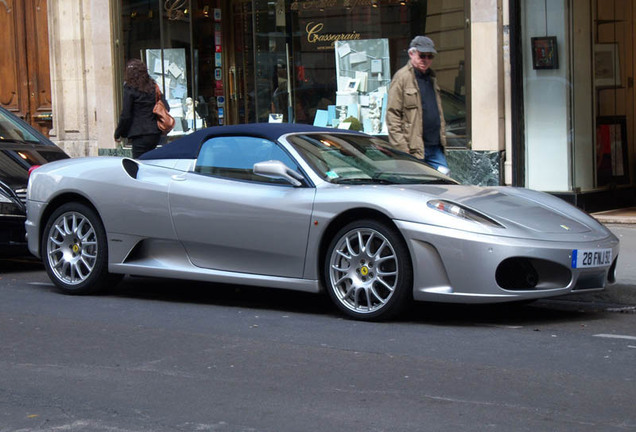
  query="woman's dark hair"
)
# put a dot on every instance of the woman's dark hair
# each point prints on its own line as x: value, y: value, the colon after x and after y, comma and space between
x: 137, y: 76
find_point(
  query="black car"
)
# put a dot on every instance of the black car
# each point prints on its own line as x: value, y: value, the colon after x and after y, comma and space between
x: 21, y: 147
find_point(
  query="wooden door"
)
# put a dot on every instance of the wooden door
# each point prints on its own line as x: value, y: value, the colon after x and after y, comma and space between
x: 25, y: 83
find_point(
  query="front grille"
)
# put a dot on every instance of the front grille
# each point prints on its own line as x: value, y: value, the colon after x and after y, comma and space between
x: 21, y: 193
x: 590, y: 281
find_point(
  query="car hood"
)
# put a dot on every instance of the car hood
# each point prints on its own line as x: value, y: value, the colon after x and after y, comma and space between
x: 522, y: 212
x: 518, y: 209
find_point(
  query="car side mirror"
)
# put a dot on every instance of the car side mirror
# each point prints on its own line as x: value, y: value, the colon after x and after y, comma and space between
x: 278, y: 170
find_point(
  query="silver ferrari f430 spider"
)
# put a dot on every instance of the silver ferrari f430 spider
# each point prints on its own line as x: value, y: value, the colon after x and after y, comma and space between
x: 312, y: 209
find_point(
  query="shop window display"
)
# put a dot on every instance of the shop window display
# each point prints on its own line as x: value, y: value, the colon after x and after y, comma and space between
x: 291, y: 60
x: 362, y: 77
x: 170, y: 74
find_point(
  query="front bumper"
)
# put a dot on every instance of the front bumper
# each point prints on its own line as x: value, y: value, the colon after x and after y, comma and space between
x: 461, y: 267
x: 35, y: 210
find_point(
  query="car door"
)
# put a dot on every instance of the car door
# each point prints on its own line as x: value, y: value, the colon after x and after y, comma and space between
x: 230, y: 219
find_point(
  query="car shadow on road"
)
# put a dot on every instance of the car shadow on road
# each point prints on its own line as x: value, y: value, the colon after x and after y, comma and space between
x: 184, y: 291
x: 538, y: 312
x: 511, y: 314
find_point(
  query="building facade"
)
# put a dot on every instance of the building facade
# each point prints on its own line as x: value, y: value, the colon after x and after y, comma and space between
x: 572, y: 113
x: 536, y: 94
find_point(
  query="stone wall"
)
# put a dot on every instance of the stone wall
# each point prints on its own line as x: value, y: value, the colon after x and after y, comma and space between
x: 82, y: 75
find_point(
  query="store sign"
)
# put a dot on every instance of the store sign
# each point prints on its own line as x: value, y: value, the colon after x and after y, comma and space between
x: 303, y: 5
x: 318, y: 37
x: 176, y: 9
x: 347, y: 20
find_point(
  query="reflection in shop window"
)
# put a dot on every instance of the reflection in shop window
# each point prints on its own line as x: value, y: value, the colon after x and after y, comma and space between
x: 170, y: 74
x: 160, y: 34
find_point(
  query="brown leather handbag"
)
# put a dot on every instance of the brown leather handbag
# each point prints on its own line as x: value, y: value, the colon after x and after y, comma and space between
x: 165, y: 122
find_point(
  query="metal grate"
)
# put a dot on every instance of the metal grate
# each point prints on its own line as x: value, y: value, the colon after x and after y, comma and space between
x: 590, y: 281
x: 21, y: 193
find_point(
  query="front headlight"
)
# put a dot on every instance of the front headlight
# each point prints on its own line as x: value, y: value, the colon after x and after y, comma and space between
x: 461, y: 212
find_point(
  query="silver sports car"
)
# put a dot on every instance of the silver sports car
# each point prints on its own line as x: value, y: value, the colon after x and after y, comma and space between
x: 311, y: 209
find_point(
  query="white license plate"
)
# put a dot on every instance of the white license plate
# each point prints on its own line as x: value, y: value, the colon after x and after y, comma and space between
x: 591, y: 258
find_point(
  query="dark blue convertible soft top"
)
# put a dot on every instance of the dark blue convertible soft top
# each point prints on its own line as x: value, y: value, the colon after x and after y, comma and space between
x: 188, y: 146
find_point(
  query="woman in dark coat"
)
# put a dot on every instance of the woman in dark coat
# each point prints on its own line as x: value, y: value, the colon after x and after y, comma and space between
x: 137, y: 122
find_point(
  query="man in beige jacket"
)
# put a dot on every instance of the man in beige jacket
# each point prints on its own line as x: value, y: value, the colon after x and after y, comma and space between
x: 414, y: 116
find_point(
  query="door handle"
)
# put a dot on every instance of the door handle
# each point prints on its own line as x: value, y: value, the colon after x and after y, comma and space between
x: 233, y: 89
x: 43, y: 117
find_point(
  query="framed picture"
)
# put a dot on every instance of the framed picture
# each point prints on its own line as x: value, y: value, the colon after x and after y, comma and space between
x: 545, y: 52
x: 612, y: 165
x: 353, y: 84
x: 607, y: 65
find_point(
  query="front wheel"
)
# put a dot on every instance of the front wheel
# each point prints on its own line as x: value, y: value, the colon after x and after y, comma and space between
x: 368, y: 271
x: 74, y: 250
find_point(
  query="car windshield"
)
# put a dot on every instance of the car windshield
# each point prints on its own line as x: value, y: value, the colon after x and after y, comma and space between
x: 10, y: 130
x: 361, y: 159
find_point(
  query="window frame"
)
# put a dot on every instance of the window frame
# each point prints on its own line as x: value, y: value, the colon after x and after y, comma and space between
x: 239, y: 172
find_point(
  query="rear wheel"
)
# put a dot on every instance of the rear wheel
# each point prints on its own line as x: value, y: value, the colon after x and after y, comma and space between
x: 368, y: 271
x: 74, y: 250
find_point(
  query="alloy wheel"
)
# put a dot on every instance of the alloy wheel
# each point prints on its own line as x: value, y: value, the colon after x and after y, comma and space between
x: 364, y: 270
x: 72, y: 248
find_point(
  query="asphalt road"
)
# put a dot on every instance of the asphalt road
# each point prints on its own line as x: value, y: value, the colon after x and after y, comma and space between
x: 174, y: 356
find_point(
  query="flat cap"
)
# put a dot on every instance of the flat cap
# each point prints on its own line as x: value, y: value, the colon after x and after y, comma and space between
x: 423, y: 44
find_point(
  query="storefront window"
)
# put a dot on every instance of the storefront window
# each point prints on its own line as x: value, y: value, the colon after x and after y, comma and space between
x: 346, y: 54
x: 304, y: 61
x: 578, y: 95
x: 614, y: 90
x: 160, y: 34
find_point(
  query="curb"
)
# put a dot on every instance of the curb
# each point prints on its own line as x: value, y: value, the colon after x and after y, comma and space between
x: 624, y: 216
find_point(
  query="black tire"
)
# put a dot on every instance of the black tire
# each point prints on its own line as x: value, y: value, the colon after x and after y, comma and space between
x: 74, y: 250
x: 368, y: 272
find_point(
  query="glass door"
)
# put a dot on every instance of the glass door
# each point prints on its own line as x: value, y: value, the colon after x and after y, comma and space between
x: 257, y: 54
